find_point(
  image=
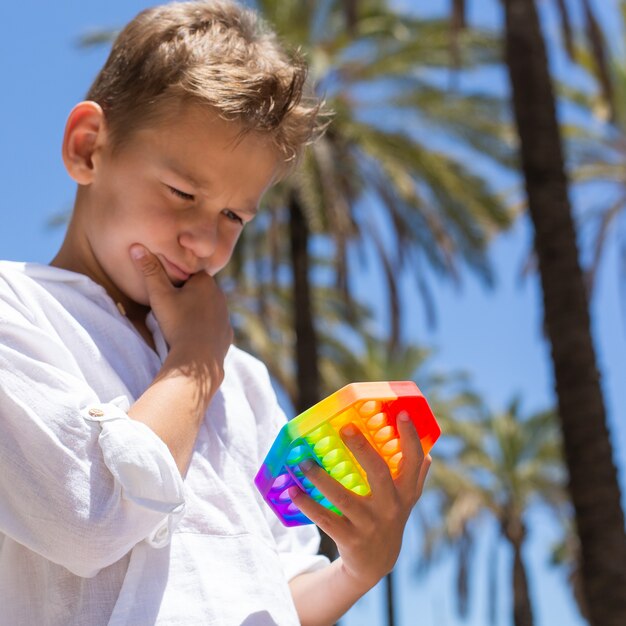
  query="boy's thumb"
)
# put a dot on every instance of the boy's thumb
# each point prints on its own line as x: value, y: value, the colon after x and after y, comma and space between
x: 138, y: 252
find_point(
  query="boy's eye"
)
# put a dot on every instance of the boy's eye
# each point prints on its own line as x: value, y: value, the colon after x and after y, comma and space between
x: 180, y: 194
x: 232, y: 216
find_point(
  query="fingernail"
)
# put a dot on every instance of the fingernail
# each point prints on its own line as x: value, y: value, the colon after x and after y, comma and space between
x: 306, y: 465
x: 349, y: 430
x: 293, y: 492
x: 403, y: 416
x: 137, y: 252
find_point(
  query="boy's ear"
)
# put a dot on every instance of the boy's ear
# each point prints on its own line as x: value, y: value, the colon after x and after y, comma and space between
x: 84, y: 133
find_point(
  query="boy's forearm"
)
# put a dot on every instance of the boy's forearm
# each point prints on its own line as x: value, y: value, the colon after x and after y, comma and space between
x: 323, y: 596
x: 173, y: 406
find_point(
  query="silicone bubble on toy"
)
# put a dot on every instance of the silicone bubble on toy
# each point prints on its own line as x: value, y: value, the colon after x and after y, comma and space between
x: 314, y: 434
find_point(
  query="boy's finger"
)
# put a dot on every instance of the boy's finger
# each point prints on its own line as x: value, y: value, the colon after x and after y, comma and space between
x: 338, y: 495
x: 332, y: 524
x: 154, y: 275
x: 422, y: 477
x: 412, y: 453
x: 377, y: 470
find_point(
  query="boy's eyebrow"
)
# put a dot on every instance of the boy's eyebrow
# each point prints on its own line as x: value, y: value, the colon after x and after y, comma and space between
x: 251, y: 210
x: 179, y: 171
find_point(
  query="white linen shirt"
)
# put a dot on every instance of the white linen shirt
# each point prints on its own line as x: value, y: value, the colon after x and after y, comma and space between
x: 97, y: 526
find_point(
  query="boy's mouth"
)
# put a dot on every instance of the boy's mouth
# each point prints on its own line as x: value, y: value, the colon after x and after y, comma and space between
x: 177, y: 275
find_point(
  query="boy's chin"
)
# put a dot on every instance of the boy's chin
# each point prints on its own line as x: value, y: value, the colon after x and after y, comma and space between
x: 139, y: 297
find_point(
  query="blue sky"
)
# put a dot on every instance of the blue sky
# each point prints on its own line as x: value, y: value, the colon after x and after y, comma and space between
x: 495, y: 335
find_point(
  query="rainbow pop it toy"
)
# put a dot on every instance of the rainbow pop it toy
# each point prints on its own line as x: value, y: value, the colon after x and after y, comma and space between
x: 314, y: 434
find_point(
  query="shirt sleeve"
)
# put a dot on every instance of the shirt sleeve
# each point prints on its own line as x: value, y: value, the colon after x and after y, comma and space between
x: 80, y: 482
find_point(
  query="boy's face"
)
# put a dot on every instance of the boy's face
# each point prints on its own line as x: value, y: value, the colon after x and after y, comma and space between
x: 183, y: 188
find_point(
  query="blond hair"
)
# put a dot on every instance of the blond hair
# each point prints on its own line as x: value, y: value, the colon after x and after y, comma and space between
x: 214, y: 53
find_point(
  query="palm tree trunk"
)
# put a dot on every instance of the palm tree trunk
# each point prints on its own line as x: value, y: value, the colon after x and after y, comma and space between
x: 522, y: 607
x: 515, y: 532
x: 391, y: 613
x: 593, y: 478
x: 308, y: 389
x: 307, y: 360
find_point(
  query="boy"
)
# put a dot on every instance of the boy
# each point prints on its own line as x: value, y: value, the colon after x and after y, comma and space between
x: 130, y: 428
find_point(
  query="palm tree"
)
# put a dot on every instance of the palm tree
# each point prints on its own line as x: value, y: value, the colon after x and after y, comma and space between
x: 373, y: 183
x: 496, y: 466
x: 593, y: 477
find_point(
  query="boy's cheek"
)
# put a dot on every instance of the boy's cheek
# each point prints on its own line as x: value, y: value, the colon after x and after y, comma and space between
x: 218, y: 264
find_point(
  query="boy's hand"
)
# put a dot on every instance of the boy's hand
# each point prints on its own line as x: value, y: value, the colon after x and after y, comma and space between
x: 194, y: 321
x: 369, y: 533
x: 193, y: 318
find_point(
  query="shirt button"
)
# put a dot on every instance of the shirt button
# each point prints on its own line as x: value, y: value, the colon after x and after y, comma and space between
x: 96, y: 412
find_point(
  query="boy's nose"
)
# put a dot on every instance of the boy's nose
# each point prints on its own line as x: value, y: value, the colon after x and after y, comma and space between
x: 201, y: 239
